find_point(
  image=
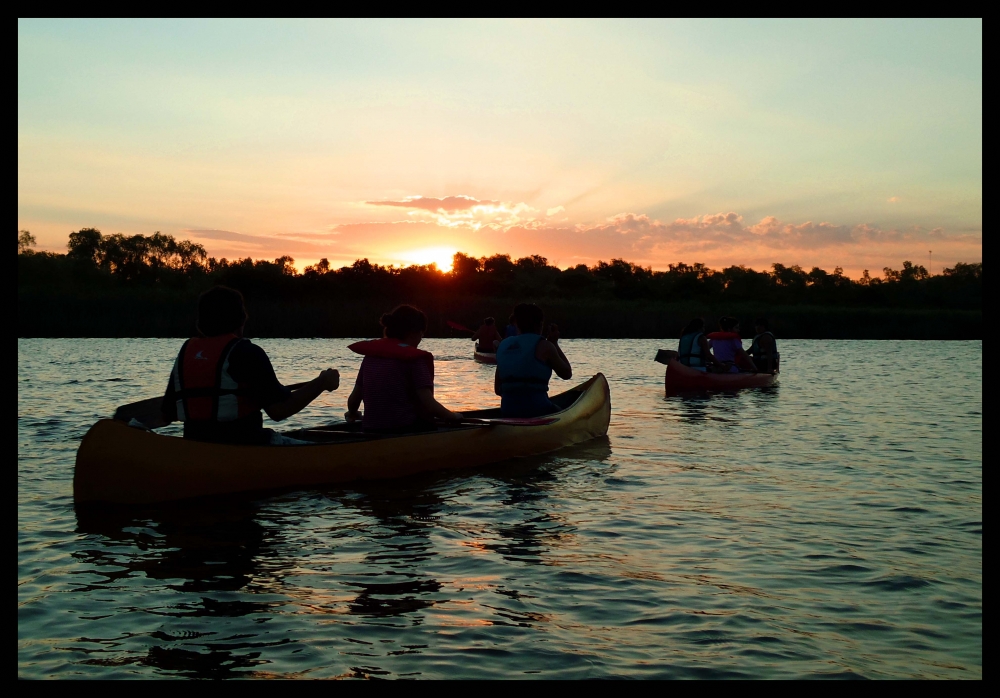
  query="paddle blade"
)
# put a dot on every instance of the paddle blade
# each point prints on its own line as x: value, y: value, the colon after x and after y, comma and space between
x: 664, y: 356
x: 145, y: 411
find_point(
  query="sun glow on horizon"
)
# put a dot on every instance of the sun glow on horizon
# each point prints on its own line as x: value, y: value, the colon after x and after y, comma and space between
x: 441, y: 256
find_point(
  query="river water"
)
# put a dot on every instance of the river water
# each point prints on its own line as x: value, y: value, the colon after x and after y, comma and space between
x: 830, y: 526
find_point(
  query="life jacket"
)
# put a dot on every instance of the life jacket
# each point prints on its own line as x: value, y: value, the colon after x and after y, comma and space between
x: 723, y: 335
x: 755, y: 346
x: 517, y: 367
x: 759, y: 355
x: 690, y: 350
x: 204, y: 389
x: 388, y: 348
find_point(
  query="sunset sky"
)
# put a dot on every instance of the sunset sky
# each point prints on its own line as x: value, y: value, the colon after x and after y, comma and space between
x: 850, y: 143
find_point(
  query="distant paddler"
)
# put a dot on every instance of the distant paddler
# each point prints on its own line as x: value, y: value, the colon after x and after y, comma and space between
x: 525, y: 363
x: 221, y: 381
x: 727, y: 347
x: 764, y: 349
x: 693, y: 349
x: 487, y: 338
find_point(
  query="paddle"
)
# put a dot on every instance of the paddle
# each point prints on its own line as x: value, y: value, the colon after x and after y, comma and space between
x: 664, y: 356
x: 455, y: 326
x: 148, y: 411
x: 509, y: 421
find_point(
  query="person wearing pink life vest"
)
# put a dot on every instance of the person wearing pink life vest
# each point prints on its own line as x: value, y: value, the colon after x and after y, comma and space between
x: 727, y: 348
x: 396, y: 379
x: 221, y: 381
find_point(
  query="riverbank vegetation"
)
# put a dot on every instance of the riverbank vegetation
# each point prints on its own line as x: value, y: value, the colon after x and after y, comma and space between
x: 117, y: 285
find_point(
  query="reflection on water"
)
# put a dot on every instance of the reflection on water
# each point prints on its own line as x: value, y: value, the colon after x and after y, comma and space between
x: 815, y: 528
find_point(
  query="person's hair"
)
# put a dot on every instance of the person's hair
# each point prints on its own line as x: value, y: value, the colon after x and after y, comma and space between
x: 528, y: 317
x: 403, y: 320
x: 220, y: 311
x: 761, y: 322
x: 727, y: 323
x: 488, y: 321
x: 694, y: 326
x: 510, y: 320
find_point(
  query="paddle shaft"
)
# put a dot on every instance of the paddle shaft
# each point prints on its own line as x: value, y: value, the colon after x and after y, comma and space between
x: 148, y: 411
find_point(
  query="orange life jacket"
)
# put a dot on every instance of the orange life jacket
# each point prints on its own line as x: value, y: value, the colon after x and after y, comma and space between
x: 204, y: 389
x: 723, y: 335
x: 388, y: 348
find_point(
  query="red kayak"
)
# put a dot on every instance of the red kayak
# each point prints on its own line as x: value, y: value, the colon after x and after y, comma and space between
x: 682, y: 379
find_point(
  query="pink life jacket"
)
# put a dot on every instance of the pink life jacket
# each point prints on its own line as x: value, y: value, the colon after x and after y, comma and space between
x: 388, y: 348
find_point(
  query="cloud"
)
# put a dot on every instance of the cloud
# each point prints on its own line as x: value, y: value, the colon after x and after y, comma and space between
x: 463, y: 211
x: 717, y: 239
x: 893, y: 199
x: 554, y: 211
x: 448, y: 204
x: 232, y: 244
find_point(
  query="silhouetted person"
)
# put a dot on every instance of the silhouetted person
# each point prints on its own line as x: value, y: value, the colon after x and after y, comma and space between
x: 487, y: 337
x: 693, y: 346
x: 525, y: 364
x: 396, y: 379
x: 511, y: 329
x: 764, y: 349
x: 728, y: 348
x: 220, y: 381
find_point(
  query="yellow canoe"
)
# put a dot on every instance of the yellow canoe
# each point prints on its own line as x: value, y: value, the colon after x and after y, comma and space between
x: 122, y: 464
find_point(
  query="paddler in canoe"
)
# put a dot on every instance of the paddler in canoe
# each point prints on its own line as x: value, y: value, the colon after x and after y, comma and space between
x: 525, y: 363
x: 487, y: 338
x: 727, y: 349
x: 396, y: 379
x: 764, y: 349
x: 221, y: 381
x: 693, y: 349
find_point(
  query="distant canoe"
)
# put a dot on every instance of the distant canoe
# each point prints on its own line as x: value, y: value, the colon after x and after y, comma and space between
x: 121, y: 464
x: 682, y: 379
x: 485, y: 357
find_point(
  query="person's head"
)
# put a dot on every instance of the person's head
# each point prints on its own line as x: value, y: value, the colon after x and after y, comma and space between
x: 405, y: 323
x: 728, y: 324
x: 221, y: 311
x: 761, y: 325
x: 696, y: 325
x: 510, y: 320
x: 488, y: 321
x: 529, y: 318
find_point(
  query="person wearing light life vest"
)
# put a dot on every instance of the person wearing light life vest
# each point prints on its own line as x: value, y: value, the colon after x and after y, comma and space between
x: 525, y: 363
x: 396, y: 379
x: 727, y: 348
x: 220, y: 381
x: 764, y: 349
x: 487, y: 337
x: 693, y: 349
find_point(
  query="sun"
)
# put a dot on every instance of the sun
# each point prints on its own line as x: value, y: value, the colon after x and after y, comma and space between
x: 441, y: 256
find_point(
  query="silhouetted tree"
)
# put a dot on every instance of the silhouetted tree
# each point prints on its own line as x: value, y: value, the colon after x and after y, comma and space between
x: 25, y: 241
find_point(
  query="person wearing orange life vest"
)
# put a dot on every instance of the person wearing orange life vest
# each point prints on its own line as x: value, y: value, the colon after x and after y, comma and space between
x: 727, y: 348
x: 396, y: 379
x: 220, y: 381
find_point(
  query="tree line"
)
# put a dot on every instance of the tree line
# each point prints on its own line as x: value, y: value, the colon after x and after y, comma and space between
x: 97, y: 263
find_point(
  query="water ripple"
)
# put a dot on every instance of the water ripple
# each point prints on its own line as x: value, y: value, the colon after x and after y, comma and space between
x: 828, y: 527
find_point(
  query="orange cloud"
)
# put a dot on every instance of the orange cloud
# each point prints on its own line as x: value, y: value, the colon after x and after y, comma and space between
x: 718, y: 239
x: 448, y: 204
